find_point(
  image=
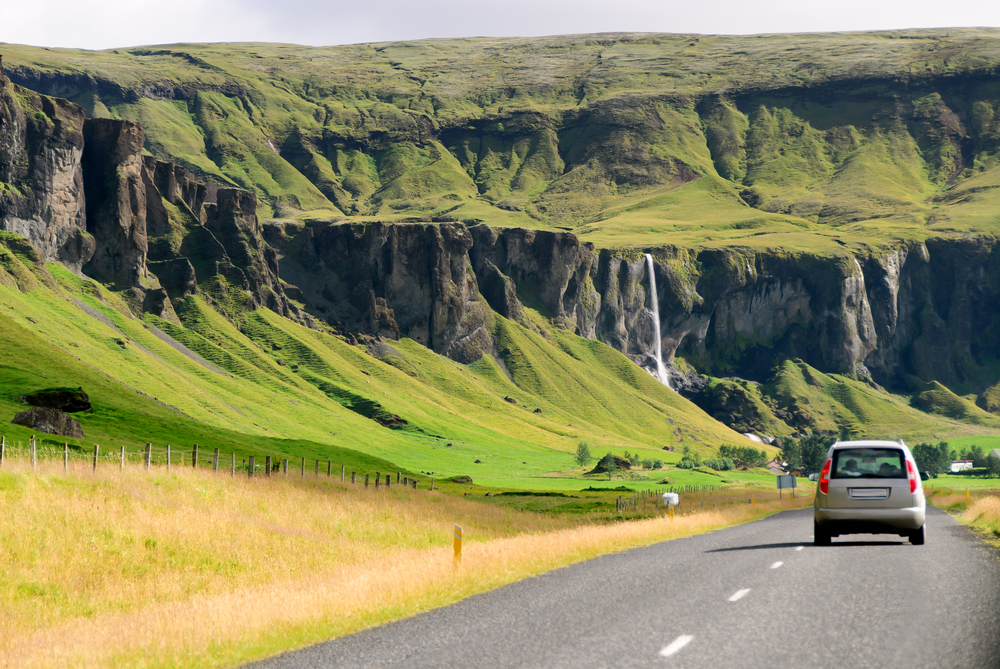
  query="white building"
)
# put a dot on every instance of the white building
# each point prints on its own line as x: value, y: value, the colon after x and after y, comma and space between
x: 959, y: 465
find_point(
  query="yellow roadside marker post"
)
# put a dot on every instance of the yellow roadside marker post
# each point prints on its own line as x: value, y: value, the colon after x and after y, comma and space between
x: 458, y: 544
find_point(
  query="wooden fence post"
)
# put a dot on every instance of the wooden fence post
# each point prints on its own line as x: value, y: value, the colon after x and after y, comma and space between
x: 343, y: 472
x: 96, y: 451
x: 123, y: 459
x: 65, y: 458
x: 303, y: 466
x: 215, y: 461
x: 317, y: 468
x: 268, y: 466
x: 432, y: 484
x: 250, y: 468
x: 3, y: 449
x: 168, y: 458
x: 354, y: 478
x: 34, y: 453
x: 329, y: 468
x: 234, y: 466
x: 149, y: 454
x: 194, y: 457
x: 378, y: 479
x: 398, y: 474
x: 388, y: 479
x: 366, y: 480
x: 284, y: 466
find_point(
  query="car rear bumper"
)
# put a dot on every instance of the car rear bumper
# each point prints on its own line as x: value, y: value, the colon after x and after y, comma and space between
x: 870, y: 521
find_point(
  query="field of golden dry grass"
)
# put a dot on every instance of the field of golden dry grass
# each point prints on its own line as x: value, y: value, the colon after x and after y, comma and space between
x: 199, y: 569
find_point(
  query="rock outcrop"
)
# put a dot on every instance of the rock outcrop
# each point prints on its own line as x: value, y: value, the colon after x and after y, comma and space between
x: 50, y: 421
x: 41, y: 177
x: 68, y: 400
x: 116, y: 186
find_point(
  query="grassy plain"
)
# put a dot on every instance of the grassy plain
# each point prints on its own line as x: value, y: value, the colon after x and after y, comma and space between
x: 195, y: 569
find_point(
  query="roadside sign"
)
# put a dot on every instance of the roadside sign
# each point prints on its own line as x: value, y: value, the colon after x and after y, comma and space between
x: 786, y: 481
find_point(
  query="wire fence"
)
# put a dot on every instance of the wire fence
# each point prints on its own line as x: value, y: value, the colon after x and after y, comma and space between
x: 174, y: 459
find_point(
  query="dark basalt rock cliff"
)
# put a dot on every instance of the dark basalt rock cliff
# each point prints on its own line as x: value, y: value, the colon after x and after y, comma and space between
x: 41, y: 178
x: 914, y: 312
x: 82, y: 193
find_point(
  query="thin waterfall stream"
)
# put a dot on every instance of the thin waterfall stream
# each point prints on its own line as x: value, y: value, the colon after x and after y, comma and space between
x: 661, y: 371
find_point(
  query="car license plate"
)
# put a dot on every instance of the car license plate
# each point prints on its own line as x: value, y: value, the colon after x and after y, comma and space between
x: 868, y: 493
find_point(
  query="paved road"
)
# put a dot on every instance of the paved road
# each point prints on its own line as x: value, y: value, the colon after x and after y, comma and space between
x: 758, y: 595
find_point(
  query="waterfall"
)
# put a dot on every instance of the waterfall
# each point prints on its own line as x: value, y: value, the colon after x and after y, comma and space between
x: 661, y: 372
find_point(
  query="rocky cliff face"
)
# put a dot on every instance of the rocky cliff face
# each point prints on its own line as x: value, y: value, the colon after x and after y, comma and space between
x: 41, y: 178
x: 913, y: 312
x: 82, y: 193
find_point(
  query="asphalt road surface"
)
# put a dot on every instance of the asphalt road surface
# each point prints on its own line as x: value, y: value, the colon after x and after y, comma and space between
x: 757, y: 595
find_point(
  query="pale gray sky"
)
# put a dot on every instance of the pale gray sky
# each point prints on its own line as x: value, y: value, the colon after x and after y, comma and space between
x: 103, y: 24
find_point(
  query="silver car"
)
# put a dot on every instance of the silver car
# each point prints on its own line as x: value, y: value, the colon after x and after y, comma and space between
x: 869, y: 487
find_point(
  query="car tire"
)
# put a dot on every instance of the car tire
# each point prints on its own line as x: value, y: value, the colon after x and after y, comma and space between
x: 820, y: 537
x: 917, y: 537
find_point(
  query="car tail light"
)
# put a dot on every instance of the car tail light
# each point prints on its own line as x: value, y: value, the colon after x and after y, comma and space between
x: 911, y: 473
x: 824, y: 478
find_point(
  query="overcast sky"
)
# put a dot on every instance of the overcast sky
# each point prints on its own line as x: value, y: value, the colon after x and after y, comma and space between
x: 105, y: 24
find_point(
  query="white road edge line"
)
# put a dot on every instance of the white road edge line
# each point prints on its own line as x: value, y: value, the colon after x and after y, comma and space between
x: 776, y: 565
x: 800, y: 548
x: 739, y: 594
x: 677, y: 644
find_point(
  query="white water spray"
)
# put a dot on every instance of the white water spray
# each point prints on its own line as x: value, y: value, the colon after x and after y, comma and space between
x: 661, y: 371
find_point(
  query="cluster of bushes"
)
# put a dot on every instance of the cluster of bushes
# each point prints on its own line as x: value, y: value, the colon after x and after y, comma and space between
x: 720, y: 464
x: 743, y: 456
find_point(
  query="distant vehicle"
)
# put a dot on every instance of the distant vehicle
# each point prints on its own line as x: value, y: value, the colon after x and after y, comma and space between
x: 869, y: 487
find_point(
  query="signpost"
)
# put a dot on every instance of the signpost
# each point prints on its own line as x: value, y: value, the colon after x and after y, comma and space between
x: 786, y: 481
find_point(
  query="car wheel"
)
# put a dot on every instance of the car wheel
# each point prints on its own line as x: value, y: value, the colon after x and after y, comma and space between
x: 917, y: 537
x: 820, y: 537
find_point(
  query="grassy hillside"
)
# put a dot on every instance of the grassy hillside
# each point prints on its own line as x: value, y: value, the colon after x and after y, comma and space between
x: 800, y: 141
x: 265, y: 385
x: 270, y: 386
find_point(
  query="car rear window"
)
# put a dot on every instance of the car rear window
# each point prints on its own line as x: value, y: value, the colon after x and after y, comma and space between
x: 868, y: 463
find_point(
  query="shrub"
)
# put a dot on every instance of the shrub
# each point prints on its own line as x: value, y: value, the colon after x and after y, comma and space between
x: 720, y: 464
x: 686, y: 463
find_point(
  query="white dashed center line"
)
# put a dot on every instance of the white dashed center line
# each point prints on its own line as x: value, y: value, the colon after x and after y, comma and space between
x: 776, y: 565
x: 677, y: 644
x: 739, y: 594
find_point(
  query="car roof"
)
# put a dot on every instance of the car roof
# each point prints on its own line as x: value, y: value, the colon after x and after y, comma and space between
x: 869, y: 443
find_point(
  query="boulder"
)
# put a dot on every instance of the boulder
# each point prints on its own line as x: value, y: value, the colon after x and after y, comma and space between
x: 50, y: 421
x: 69, y: 400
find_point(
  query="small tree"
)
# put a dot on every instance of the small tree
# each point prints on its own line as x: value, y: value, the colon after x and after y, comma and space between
x: 932, y: 458
x: 814, y: 448
x: 993, y: 464
x: 583, y: 456
x: 791, y: 453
